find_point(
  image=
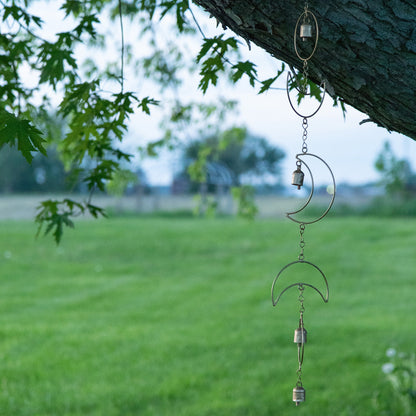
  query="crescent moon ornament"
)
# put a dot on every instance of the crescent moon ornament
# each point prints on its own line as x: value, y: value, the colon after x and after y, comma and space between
x: 290, y: 214
x: 325, y: 297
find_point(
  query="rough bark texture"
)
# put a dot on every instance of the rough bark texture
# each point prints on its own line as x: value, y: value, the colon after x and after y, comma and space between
x: 366, y: 50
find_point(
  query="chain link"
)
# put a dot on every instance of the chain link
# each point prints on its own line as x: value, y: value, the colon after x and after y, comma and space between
x: 301, y: 299
x: 304, y: 88
x: 302, y: 243
x: 305, y: 135
x: 299, y: 374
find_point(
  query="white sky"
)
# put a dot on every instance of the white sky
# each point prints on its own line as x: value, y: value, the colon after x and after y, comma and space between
x: 350, y: 149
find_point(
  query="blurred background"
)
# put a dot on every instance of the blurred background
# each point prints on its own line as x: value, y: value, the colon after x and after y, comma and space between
x: 164, y: 307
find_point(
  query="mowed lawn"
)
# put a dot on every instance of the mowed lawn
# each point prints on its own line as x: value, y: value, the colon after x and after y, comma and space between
x: 157, y: 316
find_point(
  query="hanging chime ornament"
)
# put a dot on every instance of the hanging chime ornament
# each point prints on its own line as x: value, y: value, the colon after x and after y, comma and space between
x: 308, y: 31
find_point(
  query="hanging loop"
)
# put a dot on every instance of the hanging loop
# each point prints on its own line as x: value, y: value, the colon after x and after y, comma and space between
x: 291, y: 78
x: 304, y: 17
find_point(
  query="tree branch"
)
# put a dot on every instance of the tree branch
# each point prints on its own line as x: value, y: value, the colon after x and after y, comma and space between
x: 366, y: 51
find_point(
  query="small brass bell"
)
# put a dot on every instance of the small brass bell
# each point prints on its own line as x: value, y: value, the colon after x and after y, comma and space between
x: 298, y: 395
x: 297, y: 177
x: 300, y: 336
x: 305, y: 31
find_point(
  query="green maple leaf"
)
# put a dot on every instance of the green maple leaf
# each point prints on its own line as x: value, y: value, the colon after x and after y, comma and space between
x: 266, y: 84
x: 29, y: 139
x: 247, y: 68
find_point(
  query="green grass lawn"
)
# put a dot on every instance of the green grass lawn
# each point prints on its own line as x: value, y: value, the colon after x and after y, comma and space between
x: 156, y: 316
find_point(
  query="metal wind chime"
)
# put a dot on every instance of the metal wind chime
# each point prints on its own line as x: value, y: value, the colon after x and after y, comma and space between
x: 308, y: 31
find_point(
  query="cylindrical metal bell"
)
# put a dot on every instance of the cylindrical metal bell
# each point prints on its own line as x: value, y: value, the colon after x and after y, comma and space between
x: 300, y: 336
x: 297, y: 178
x: 305, y: 31
x: 298, y: 395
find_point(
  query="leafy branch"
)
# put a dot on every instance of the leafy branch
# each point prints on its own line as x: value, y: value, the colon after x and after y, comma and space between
x: 97, y: 121
x: 54, y: 215
x: 213, y: 50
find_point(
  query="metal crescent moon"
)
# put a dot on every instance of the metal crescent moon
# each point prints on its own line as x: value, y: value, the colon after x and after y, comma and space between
x: 325, y: 297
x: 289, y: 214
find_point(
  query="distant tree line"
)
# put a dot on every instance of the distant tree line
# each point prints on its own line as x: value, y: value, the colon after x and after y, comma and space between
x: 44, y: 174
x: 229, y: 159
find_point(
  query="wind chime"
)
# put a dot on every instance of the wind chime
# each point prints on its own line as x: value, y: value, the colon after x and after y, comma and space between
x: 308, y: 31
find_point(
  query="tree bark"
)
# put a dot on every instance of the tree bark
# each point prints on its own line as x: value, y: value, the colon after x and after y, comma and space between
x: 366, y: 52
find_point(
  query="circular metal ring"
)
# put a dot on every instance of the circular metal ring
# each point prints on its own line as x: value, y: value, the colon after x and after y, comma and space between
x: 289, y: 81
x: 306, y: 13
x: 324, y: 298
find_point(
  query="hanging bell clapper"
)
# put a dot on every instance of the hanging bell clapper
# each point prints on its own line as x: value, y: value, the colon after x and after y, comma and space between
x: 298, y: 395
x: 297, y: 177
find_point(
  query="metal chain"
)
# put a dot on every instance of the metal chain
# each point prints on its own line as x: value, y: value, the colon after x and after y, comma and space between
x: 305, y: 75
x: 301, y: 299
x: 304, y: 90
x: 302, y: 243
x: 306, y: 12
x: 299, y: 374
x: 305, y: 61
x: 305, y: 135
